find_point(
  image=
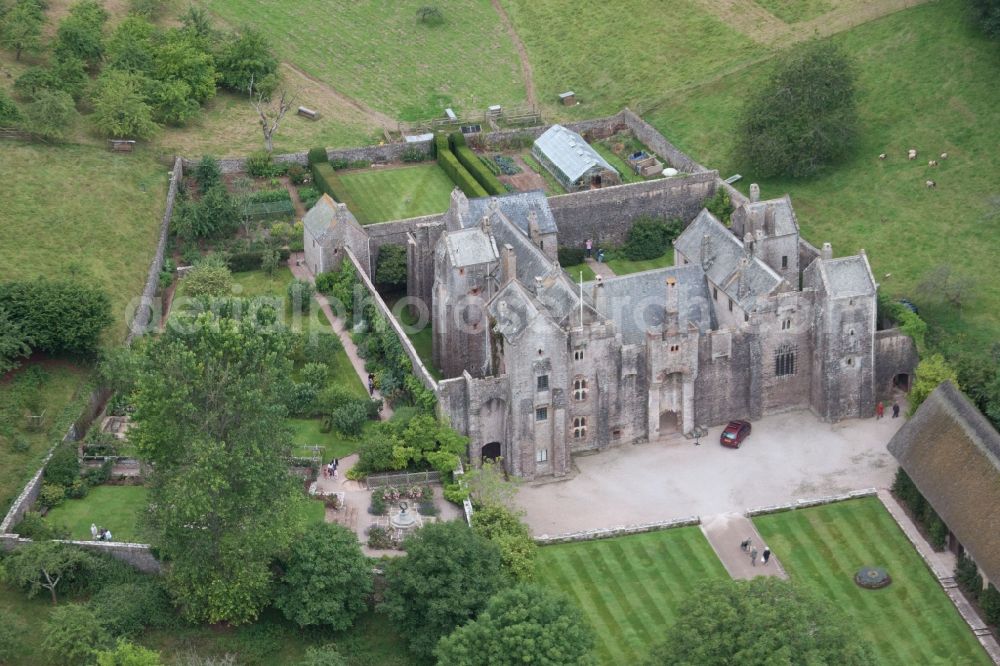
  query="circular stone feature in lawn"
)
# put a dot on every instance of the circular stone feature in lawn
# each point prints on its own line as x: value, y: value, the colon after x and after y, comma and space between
x: 872, y: 578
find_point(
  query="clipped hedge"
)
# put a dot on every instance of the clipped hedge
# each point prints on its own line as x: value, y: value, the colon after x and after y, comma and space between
x: 474, y: 165
x: 458, y: 173
x: 316, y: 156
x: 324, y: 178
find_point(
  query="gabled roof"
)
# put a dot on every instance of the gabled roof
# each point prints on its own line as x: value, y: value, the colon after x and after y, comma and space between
x: 721, y: 255
x: 468, y: 247
x: 775, y: 214
x: 513, y: 309
x: 516, y: 207
x: 952, y: 454
x: 569, y: 152
x: 324, y: 217
x: 847, y: 276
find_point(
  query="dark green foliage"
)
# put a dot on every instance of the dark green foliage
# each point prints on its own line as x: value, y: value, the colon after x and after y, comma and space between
x: 317, y: 156
x: 339, y: 163
x: 9, y: 113
x: 504, y: 528
x: 762, y: 621
x: 524, y: 624
x: 266, y: 196
x: 80, y: 35
x: 49, y: 114
x: 216, y: 214
x: 46, y: 565
x: 15, y: 342
x: 51, y: 495
x: 447, y: 577
x: 458, y: 174
x: 209, y: 277
x: 296, y: 174
x: 244, y: 58
x: 325, y: 282
x: 390, y: 272
x: 326, y: 580
x: 349, y: 419
x: 73, y: 635
x: 259, y: 164
x: 63, y: 467
x: 130, y: 47
x: 375, y: 454
x: 650, y: 237
x: 324, y: 178
x: 429, y: 15
x: 125, y: 609
x: 414, y: 154
x: 120, y: 108
x: 207, y: 174
x: 967, y: 576
x: 308, y: 196
x: 300, y: 293
x: 571, y: 256
x: 909, y: 322
x: 804, y: 118
x: 986, y: 15
x: 989, y: 601
x: 33, y: 526
x: 21, y: 27
x: 324, y: 655
x: 183, y: 61
x: 720, y: 206
x: 920, y: 509
x: 474, y: 165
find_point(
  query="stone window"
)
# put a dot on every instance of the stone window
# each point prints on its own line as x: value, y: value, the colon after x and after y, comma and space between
x: 674, y: 348
x: 715, y: 293
x: 579, y: 389
x: 616, y: 433
x: 461, y: 271
x: 784, y: 360
x: 580, y: 427
x: 730, y: 305
x: 746, y: 316
x: 541, y: 455
x: 314, y: 242
x: 786, y: 324
x: 784, y: 261
x: 543, y: 382
x: 850, y: 360
x: 474, y: 291
x: 542, y: 414
x: 578, y: 354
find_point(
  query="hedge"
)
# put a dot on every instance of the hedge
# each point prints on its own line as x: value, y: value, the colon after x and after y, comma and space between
x: 316, y: 156
x: 458, y: 174
x: 326, y: 180
x: 475, y: 166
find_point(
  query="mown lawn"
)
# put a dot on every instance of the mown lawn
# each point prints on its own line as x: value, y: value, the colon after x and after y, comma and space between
x: 629, y: 588
x: 575, y: 270
x: 911, y: 621
x: 381, y: 195
x: 626, y: 172
x: 927, y: 80
x: 796, y: 11
x: 306, y: 434
x: 81, y: 210
x: 117, y: 508
x: 622, y: 266
x: 376, y: 52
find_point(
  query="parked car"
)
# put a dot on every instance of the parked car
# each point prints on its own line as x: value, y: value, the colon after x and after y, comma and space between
x: 735, y: 433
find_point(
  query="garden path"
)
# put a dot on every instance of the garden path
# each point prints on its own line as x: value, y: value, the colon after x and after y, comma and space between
x: 725, y: 532
x: 300, y: 270
x: 600, y: 268
x: 522, y: 53
x: 293, y: 193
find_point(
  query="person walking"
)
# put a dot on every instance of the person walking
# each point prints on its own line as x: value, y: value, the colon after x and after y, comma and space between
x: 895, y: 410
x: 766, y: 555
x: 753, y: 556
x: 589, y: 245
x: 879, y: 410
x: 371, y: 387
x: 745, y: 545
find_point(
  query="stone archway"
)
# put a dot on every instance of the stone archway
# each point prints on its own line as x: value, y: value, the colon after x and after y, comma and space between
x: 491, y: 451
x: 670, y: 422
x: 901, y: 382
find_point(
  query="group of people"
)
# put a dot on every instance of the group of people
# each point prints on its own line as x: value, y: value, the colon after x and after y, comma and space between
x: 589, y: 245
x: 330, y: 469
x: 99, y: 534
x: 880, y: 410
x: 747, y: 547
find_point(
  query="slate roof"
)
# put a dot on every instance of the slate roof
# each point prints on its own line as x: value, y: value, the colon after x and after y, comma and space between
x: 512, y: 309
x: 515, y: 207
x: 468, y: 247
x: 776, y: 211
x: 321, y: 217
x: 952, y: 454
x: 847, y: 276
x: 569, y: 152
x: 726, y: 264
x: 636, y: 302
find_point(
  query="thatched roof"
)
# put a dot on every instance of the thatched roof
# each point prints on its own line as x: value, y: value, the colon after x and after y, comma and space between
x: 952, y: 453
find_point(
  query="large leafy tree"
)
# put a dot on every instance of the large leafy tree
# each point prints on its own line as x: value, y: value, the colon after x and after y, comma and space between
x: 15, y: 342
x: 43, y: 565
x: 21, y: 27
x: 931, y: 371
x: 804, y: 117
x: 391, y: 268
x: 246, y: 58
x: 504, y: 528
x: 120, y: 108
x: 986, y: 14
x: 81, y: 33
x: 50, y: 114
x: 130, y: 47
x: 65, y: 316
x: 73, y: 636
x: 524, y: 624
x: 326, y: 580
x: 448, y: 575
x: 210, y: 419
x: 762, y: 621
x: 181, y: 57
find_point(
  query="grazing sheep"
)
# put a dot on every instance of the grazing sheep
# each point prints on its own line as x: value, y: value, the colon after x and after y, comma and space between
x: 944, y: 156
x: 932, y: 163
x: 881, y: 156
x: 930, y: 183
x: 911, y: 153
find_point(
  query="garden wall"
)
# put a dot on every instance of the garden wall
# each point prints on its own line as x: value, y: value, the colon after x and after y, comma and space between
x: 387, y: 152
x: 394, y: 233
x: 803, y: 504
x: 139, y: 555
x: 611, y: 532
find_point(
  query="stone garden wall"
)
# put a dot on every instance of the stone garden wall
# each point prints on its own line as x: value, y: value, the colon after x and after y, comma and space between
x: 803, y: 504
x: 386, y: 152
x: 611, y: 532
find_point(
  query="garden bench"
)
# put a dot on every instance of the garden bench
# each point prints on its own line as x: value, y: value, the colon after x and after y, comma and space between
x: 306, y: 112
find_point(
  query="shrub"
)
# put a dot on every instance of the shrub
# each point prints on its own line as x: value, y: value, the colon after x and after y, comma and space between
x: 379, y: 538
x: 300, y: 293
x: 325, y: 282
x: 267, y: 196
x: 475, y: 166
x: 19, y: 444
x: 376, y: 455
x: 571, y: 256
x: 259, y: 164
x: 63, y: 467
x: 246, y: 57
x: 33, y: 526
x: 317, y: 156
x: 125, y: 609
x: 989, y: 601
x: 297, y: 174
x: 324, y: 655
x: 350, y: 419
x: 73, y: 635
x: 209, y: 277
x: 339, y: 163
x: 128, y: 654
x: 967, y: 576
x: 96, y: 476
x: 241, y: 262
x: 456, y: 492
x: 720, y: 206
x: 78, y: 490
x: 9, y: 115
x: 308, y: 196
x: 414, y: 154
x: 390, y: 271
x: 650, y: 237
x: 429, y: 15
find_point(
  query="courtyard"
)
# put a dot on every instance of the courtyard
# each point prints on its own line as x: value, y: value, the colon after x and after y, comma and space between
x: 788, y: 457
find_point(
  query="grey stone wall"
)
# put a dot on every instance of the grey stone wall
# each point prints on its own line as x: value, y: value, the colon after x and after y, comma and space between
x: 138, y: 555
x: 895, y: 353
x: 611, y: 532
x: 394, y: 233
x: 656, y: 142
x: 387, y: 152
x: 606, y: 214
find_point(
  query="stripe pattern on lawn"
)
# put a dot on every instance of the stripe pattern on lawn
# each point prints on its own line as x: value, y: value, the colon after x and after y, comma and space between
x: 629, y: 588
x: 381, y: 194
x: 911, y: 621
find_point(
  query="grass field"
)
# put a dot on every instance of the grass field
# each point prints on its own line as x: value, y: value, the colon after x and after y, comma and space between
x: 629, y: 588
x: 377, y: 53
x: 306, y: 433
x: 796, y: 11
x: 927, y: 80
x: 911, y: 621
x: 622, y: 266
x: 117, y: 508
x: 574, y: 272
x: 394, y: 194
x: 77, y: 209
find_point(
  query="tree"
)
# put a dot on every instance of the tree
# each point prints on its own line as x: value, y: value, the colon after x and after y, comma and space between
x: 326, y: 580
x: 504, y: 528
x: 490, y: 486
x: 149, y: 9
x: 128, y: 654
x: 445, y: 580
x: 21, y: 28
x: 197, y: 22
x: 246, y: 60
x: 524, y: 624
x: 270, y: 112
x: 210, y: 422
x: 326, y: 655
x: 804, y: 117
x: 81, y: 33
x: 300, y: 293
x: 269, y: 262
x: 14, y: 343
x: 120, y: 108
x: 130, y: 47
x: 931, y: 371
x: 64, y: 316
x: 391, y: 268
x: 73, y: 635
x: 42, y: 566
x: 207, y: 174
x: 650, y: 237
x: 9, y: 113
x: 50, y: 114
x: 761, y: 621
x: 947, y: 284
x: 986, y: 14
x: 182, y: 57
x: 172, y: 103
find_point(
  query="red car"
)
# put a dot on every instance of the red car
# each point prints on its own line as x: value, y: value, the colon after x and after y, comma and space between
x: 735, y: 433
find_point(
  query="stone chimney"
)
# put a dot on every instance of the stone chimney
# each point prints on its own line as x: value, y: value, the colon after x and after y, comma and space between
x: 538, y: 283
x: 754, y: 192
x: 827, y: 252
x: 508, y: 262
x: 597, y: 294
x: 671, y: 321
x: 534, y: 232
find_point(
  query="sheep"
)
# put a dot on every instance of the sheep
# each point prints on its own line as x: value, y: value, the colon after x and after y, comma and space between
x: 911, y: 153
x: 932, y: 163
x: 881, y: 156
x: 944, y: 156
x: 930, y: 183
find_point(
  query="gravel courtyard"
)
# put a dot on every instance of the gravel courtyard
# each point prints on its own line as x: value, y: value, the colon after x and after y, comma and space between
x: 787, y: 457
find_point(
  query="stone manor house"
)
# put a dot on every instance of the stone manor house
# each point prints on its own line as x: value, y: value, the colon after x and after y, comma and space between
x: 750, y: 320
